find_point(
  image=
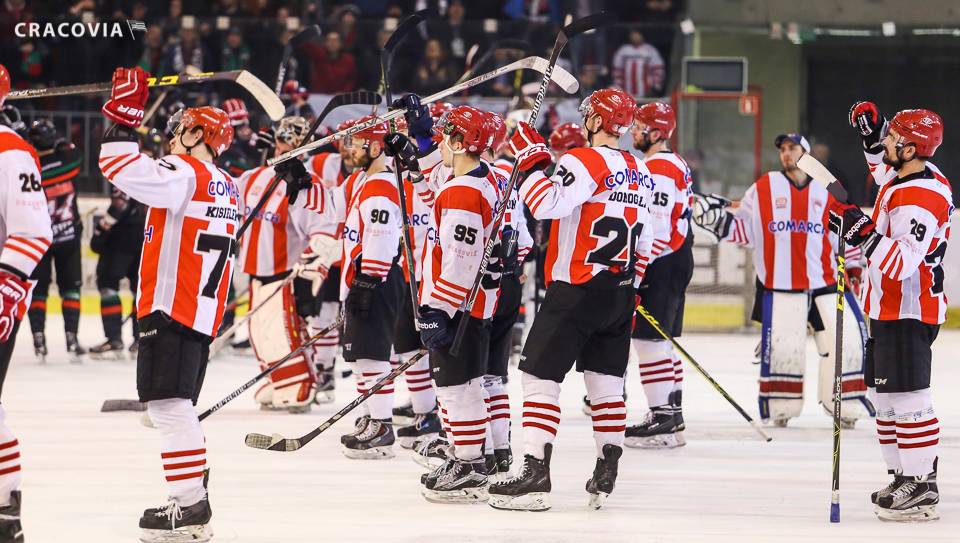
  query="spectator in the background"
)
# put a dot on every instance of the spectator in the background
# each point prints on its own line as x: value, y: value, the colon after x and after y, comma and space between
x: 638, y: 68
x: 332, y: 69
x: 33, y: 55
x: 235, y: 54
x: 171, y: 25
x: 186, y: 51
x: 229, y: 8
x: 434, y: 72
x: 346, y: 17
x: 458, y: 36
x: 152, y: 50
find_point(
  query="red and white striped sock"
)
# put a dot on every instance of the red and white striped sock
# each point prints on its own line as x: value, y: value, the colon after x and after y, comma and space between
x: 183, y: 449
x: 887, y: 430
x: 541, y: 413
x: 10, y: 475
x: 444, y: 423
x: 498, y: 406
x: 677, y: 373
x: 369, y: 372
x: 326, y: 347
x: 657, y: 370
x: 422, y: 395
x: 918, y: 431
x: 608, y: 410
x: 466, y: 414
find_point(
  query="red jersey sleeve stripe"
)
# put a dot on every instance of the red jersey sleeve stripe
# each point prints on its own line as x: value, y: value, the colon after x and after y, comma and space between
x: 26, y: 253
x: 452, y: 286
x: 120, y: 168
x: 111, y: 160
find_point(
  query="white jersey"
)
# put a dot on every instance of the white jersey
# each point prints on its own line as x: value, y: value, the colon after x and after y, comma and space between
x: 371, y: 233
x: 904, y: 273
x: 192, y: 221
x: 279, y: 233
x: 671, y: 201
x: 25, y: 231
x: 638, y: 69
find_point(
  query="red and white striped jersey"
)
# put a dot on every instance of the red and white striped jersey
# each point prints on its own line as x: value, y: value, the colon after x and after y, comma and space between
x: 671, y: 201
x: 597, y: 198
x: 279, y: 233
x: 419, y: 214
x: 192, y: 219
x: 328, y: 168
x: 504, y: 164
x: 788, y: 229
x: 371, y: 233
x: 462, y: 217
x: 638, y: 70
x: 25, y: 231
x: 904, y: 273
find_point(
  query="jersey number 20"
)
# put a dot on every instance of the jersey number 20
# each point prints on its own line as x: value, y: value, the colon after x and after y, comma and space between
x: 621, y: 236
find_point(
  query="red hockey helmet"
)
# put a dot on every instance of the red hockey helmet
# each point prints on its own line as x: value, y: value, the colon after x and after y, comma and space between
x: 373, y: 133
x: 921, y: 127
x: 237, y: 111
x: 473, y: 125
x: 437, y: 109
x: 566, y: 137
x: 4, y: 83
x: 292, y: 88
x: 658, y: 116
x: 217, y: 132
x: 615, y: 108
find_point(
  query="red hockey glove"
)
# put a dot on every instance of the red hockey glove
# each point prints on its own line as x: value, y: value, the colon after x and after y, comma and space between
x: 529, y: 147
x: 13, y: 290
x: 128, y: 97
x: 856, y: 227
x: 865, y: 117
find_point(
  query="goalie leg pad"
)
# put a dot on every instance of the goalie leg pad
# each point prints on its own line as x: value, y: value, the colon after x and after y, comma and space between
x: 657, y: 370
x: 854, y: 403
x: 782, y: 354
x: 275, y: 331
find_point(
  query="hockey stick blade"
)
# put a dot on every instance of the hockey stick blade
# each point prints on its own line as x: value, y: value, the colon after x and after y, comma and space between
x: 276, y: 442
x: 122, y: 405
x: 815, y: 169
x: 586, y: 23
x: 561, y: 77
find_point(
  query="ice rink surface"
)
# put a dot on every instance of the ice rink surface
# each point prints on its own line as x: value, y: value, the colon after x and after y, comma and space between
x: 89, y: 475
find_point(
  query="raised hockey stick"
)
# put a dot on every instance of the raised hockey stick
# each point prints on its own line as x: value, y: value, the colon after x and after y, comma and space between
x: 267, y: 99
x: 561, y: 77
x: 506, y: 43
x: 819, y: 172
x: 656, y: 325
x: 563, y: 36
x: 296, y: 352
x: 277, y: 442
x: 406, y: 233
x: 309, y: 33
x: 343, y: 99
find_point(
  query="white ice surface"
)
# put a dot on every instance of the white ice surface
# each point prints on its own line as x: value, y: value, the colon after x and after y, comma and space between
x: 89, y: 475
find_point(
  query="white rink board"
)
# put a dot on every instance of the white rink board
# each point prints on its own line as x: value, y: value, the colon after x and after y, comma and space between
x: 88, y: 475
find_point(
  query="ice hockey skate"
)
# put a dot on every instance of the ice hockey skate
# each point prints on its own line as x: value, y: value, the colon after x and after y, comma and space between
x: 112, y: 349
x: 374, y: 442
x: 74, y: 350
x: 456, y: 481
x: 40, y: 346
x: 529, y: 489
x: 604, y: 477
x: 914, y: 500
x: 659, y: 429
x: 424, y: 426
x: 887, y: 490
x: 175, y: 524
x: 403, y: 414
x: 11, y: 530
x: 326, y: 386
x: 431, y: 452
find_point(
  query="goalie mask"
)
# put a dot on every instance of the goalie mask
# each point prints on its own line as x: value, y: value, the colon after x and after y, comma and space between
x: 292, y: 131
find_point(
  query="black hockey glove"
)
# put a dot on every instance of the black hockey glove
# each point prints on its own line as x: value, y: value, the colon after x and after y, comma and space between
x: 856, y: 227
x: 360, y: 299
x: 865, y: 117
x: 294, y: 173
x: 434, y: 326
x: 398, y: 145
x: 265, y: 140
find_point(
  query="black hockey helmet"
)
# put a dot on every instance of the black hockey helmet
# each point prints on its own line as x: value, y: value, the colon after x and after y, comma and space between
x: 43, y: 134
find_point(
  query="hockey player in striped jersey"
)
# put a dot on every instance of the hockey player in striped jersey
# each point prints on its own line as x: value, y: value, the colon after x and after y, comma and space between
x: 904, y: 241
x: 185, y: 270
x: 59, y: 165
x: 371, y: 286
x: 25, y: 235
x: 462, y: 217
x: 284, y: 240
x: 599, y: 245
x: 666, y: 280
x: 784, y: 218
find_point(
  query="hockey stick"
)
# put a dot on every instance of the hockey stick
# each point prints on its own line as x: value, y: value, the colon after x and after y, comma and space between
x: 507, y: 43
x: 277, y: 442
x: 343, y: 99
x: 656, y: 325
x: 563, y: 36
x: 386, y: 57
x: 309, y: 343
x: 267, y: 99
x: 312, y: 32
x: 561, y: 77
x: 122, y: 405
x: 819, y: 172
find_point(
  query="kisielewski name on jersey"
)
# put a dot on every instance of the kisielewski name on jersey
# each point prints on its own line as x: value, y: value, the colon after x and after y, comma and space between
x: 229, y: 213
x: 69, y: 30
